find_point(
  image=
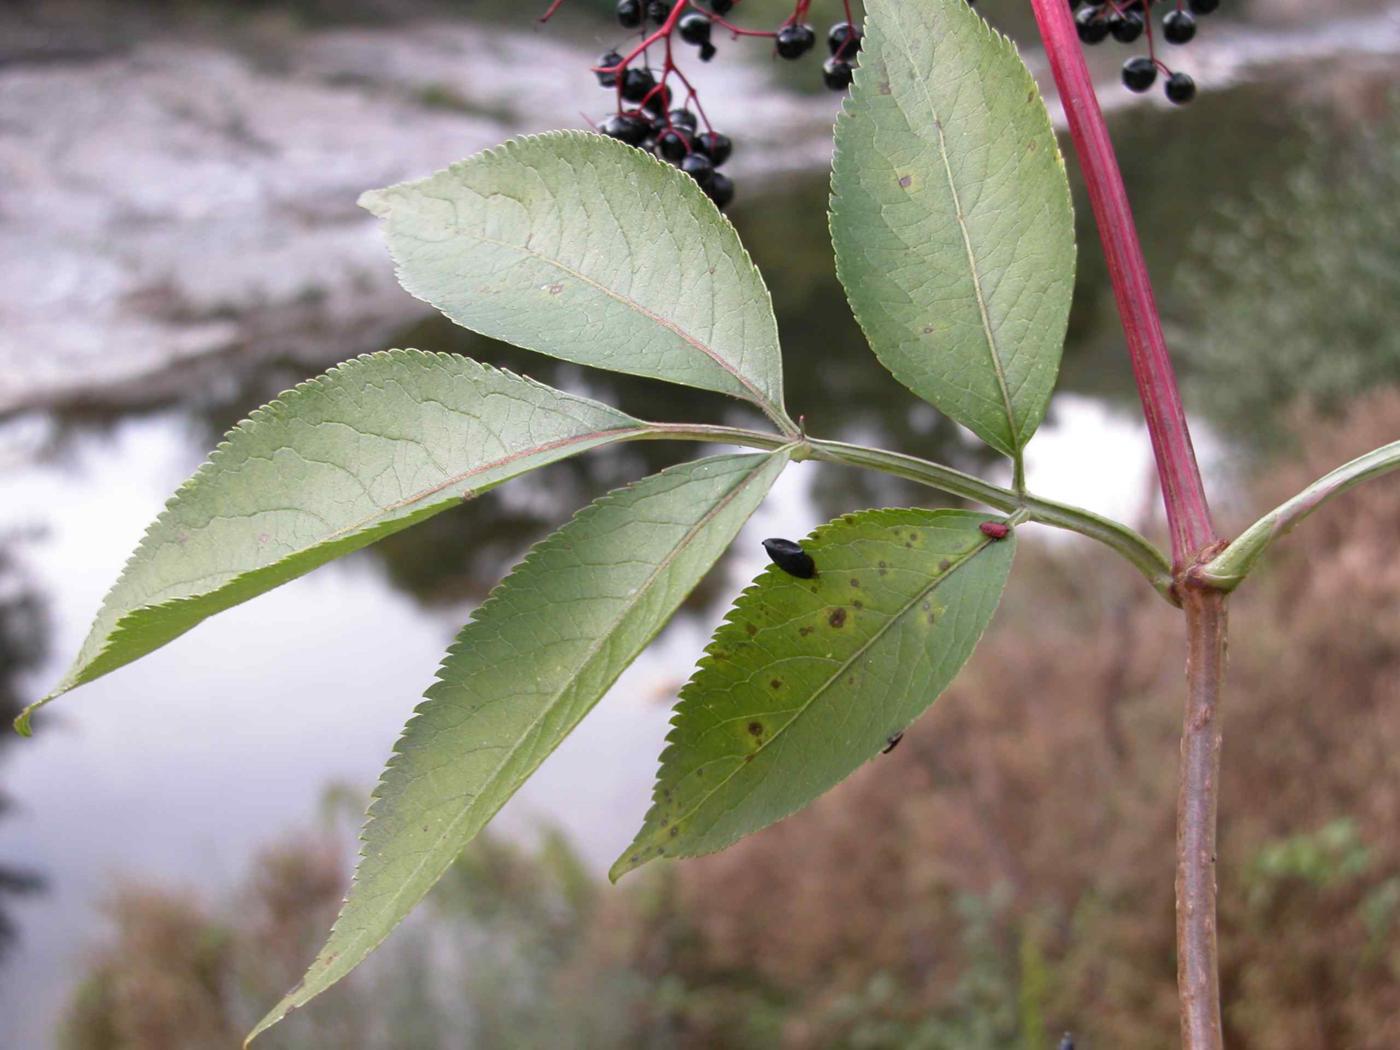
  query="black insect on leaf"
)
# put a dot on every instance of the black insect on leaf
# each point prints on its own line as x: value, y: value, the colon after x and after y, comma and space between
x: 891, y: 743
x: 791, y: 558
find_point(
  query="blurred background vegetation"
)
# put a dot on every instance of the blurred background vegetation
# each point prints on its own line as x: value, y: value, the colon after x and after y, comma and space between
x: 1005, y: 874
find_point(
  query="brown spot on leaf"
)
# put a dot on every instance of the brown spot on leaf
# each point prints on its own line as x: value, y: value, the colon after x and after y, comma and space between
x: 776, y: 683
x: 804, y: 631
x: 751, y: 629
x: 944, y: 565
x: 837, y: 618
x: 906, y: 181
x: 858, y: 604
x: 555, y: 288
x: 885, y: 88
x: 756, y: 728
x: 855, y: 581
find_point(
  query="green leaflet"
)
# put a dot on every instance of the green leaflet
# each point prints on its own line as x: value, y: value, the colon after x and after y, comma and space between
x: 807, y: 679
x: 951, y: 217
x: 532, y: 661
x: 585, y: 249
x: 366, y: 450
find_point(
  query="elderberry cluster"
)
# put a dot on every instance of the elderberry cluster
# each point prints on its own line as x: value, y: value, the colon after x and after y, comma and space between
x: 671, y: 133
x: 1127, y: 20
x: 651, y: 112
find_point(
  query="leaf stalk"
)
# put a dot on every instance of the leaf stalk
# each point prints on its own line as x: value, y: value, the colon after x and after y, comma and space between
x: 1229, y: 568
x: 1138, y: 551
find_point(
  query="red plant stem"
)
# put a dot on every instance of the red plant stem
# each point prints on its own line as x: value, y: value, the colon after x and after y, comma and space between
x: 1197, y: 965
x: 1188, y: 516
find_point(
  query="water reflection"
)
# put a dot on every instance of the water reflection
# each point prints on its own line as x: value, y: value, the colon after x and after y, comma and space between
x: 24, y: 635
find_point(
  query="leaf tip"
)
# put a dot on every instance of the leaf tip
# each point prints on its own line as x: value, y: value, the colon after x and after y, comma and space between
x: 376, y: 202
x: 632, y: 858
x: 271, y: 1018
x: 23, y: 721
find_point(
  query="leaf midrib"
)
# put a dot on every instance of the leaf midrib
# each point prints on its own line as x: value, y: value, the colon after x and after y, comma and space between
x: 357, y: 526
x: 971, y: 256
x: 592, y: 652
x: 755, y: 395
x: 841, y: 670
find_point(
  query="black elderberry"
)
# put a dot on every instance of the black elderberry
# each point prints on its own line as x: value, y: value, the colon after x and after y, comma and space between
x: 716, y: 146
x: 1203, y: 7
x: 624, y: 128
x: 611, y: 58
x: 794, y: 41
x: 721, y: 7
x: 1181, y: 89
x: 1139, y: 73
x: 836, y: 74
x: 844, y: 39
x: 695, y: 29
x: 1126, y: 27
x: 791, y: 558
x: 658, y: 102
x: 1091, y: 28
x: 720, y: 189
x: 1179, y: 27
x: 707, y: 52
x: 699, y: 168
x: 684, y: 118
x: 673, y: 144
x: 629, y: 13
x: 658, y: 10
x: 636, y: 83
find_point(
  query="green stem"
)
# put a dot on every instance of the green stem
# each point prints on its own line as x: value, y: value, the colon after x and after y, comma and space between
x: 1140, y: 553
x: 1232, y: 565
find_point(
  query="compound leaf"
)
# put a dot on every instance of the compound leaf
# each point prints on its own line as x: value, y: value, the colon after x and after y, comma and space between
x: 367, y: 449
x: 532, y: 661
x: 808, y: 678
x: 580, y: 247
x: 951, y: 217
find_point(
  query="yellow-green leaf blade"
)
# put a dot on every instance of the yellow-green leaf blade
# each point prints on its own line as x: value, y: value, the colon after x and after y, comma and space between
x: 364, y: 451
x: 807, y: 679
x: 951, y: 217
x: 577, y: 246
x: 532, y: 662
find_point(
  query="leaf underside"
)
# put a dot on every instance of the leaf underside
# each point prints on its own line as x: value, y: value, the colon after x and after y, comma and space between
x: 951, y: 217
x: 580, y: 247
x: 532, y: 661
x: 807, y: 679
x: 367, y: 449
